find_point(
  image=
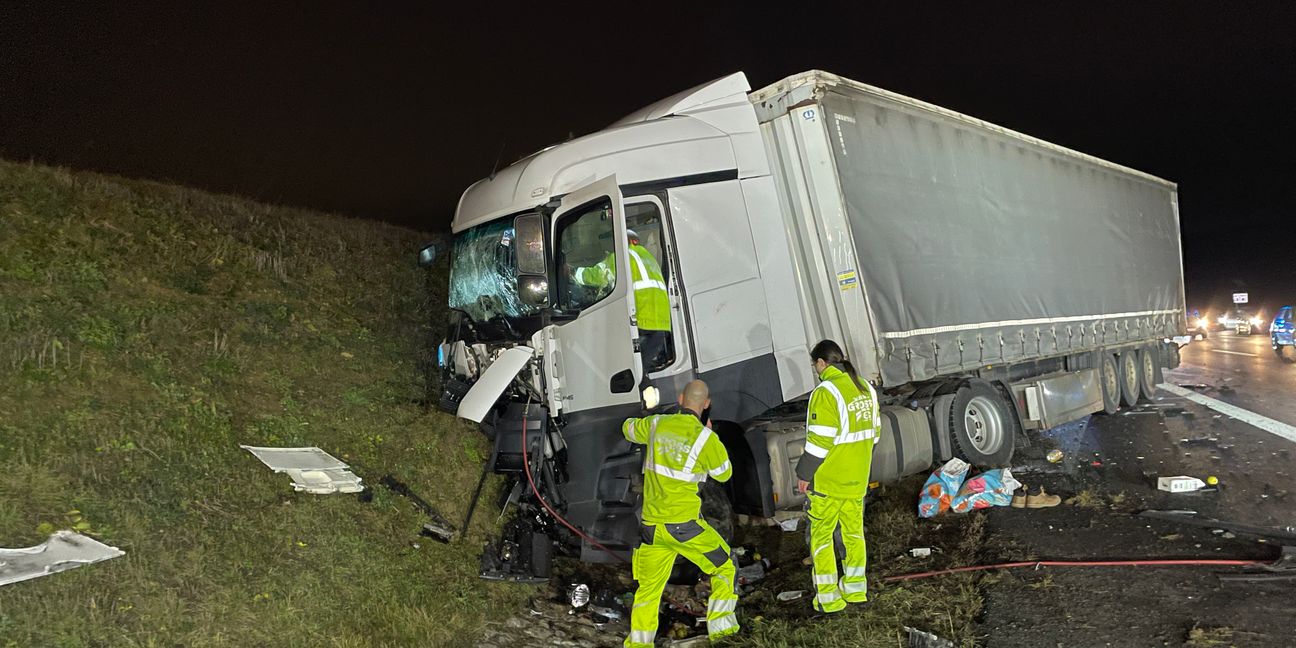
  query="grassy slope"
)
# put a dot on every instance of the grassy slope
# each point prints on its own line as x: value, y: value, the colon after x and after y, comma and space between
x: 146, y: 331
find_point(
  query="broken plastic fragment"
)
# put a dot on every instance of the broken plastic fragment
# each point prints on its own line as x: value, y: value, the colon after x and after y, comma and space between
x: 311, y: 469
x: 63, y: 551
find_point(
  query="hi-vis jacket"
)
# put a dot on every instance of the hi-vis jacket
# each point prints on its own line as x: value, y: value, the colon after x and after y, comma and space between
x: 652, y: 304
x: 681, y: 452
x: 842, y: 426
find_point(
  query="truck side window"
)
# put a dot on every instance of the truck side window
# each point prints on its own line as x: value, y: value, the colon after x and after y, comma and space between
x: 586, y: 259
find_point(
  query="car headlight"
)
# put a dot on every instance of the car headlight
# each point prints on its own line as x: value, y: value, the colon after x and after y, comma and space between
x: 1255, y: 321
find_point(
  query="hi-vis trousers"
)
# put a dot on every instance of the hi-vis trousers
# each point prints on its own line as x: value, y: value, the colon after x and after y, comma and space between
x: 826, y: 515
x: 698, y: 542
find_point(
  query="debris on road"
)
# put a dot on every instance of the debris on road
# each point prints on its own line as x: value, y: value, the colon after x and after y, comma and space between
x: 1180, y: 484
x: 311, y: 469
x: 1192, y: 518
x: 579, y: 595
x: 791, y: 595
x: 1054, y: 456
x: 63, y: 550
x: 920, y: 552
x: 437, y: 527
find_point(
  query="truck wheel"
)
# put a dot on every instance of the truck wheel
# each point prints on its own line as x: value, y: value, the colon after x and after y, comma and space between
x: 1128, y: 370
x: 1149, y: 372
x: 1110, y: 379
x: 1280, y: 351
x: 717, y: 510
x: 980, y: 425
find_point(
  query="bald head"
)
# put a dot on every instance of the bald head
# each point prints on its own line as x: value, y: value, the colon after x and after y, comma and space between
x: 696, y: 396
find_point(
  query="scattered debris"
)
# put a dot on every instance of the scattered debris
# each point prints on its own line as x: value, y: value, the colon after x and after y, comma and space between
x: 920, y: 552
x: 311, y: 469
x: 791, y: 595
x: 940, y: 489
x: 920, y: 639
x: 1192, y: 518
x: 63, y: 550
x: 1180, y: 484
x: 753, y: 572
x: 1212, y: 441
x: 437, y: 528
x: 1054, y: 456
x: 579, y: 595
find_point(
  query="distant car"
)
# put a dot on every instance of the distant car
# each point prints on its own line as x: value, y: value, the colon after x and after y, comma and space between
x: 1199, y: 326
x: 1241, y: 322
x: 1282, y: 333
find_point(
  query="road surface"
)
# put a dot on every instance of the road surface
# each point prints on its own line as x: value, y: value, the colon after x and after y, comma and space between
x: 1228, y: 411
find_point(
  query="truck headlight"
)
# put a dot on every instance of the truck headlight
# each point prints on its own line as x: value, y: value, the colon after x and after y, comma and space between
x: 1255, y: 321
x: 651, y: 397
x: 1203, y: 323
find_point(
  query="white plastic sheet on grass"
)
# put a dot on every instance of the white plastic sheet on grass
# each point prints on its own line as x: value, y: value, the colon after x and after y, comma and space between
x: 63, y: 551
x: 311, y: 469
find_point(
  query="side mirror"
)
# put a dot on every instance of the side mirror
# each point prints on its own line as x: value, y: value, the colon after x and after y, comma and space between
x: 528, y: 239
x: 533, y: 290
x: 427, y: 256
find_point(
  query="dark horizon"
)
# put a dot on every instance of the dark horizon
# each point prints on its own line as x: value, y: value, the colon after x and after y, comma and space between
x: 390, y: 112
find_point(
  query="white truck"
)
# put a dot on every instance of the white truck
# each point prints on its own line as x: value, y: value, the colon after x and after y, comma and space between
x: 987, y: 282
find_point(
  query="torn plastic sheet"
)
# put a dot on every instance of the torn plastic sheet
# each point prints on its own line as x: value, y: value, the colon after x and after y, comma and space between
x: 311, y: 469
x: 63, y: 551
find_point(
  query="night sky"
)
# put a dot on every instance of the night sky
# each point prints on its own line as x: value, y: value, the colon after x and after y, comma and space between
x: 386, y: 110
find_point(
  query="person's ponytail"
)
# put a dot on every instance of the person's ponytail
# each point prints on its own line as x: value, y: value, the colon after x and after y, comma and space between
x: 831, y: 353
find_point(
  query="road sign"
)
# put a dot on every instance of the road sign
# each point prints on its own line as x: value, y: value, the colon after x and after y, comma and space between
x: 1239, y: 298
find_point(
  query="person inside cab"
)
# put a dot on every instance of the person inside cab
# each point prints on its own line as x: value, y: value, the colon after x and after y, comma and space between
x: 652, y: 303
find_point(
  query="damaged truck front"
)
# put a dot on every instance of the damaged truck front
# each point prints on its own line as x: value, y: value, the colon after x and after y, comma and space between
x: 985, y: 281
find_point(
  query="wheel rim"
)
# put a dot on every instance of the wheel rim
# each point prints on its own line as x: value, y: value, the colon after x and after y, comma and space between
x: 1149, y: 370
x: 1131, y: 377
x: 1109, y: 377
x: 983, y: 424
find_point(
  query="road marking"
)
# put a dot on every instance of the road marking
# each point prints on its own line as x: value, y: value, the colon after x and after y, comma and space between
x: 1276, y: 428
x: 1235, y: 353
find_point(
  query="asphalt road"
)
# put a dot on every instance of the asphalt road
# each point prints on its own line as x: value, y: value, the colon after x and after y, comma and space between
x: 1228, y: 411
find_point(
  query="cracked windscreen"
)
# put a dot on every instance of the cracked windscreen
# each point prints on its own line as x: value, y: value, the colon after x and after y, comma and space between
x: 483, y: 273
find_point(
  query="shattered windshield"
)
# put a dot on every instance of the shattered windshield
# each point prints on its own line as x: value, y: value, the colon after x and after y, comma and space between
x: 483, y: 276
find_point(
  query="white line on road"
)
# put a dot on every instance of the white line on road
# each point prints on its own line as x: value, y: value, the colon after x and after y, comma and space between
x: 1234, y: 353
x: 1276, y: 428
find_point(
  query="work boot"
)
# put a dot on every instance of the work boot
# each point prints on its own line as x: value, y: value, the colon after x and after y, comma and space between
x: 1043, y: 500
x: 1019, y: 501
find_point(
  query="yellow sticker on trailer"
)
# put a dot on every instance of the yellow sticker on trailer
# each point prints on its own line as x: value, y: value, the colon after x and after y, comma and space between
x: 847, y: 279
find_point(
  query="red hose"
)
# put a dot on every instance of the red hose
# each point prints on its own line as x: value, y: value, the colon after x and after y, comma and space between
x: 526, y: 465
x: 1077, y: 563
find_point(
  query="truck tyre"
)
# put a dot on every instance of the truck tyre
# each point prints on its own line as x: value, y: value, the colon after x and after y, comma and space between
x: 1149, y: 372
x: 717, y: 510
x: 980, y: 425
x: 1283, y: 352
x: 1127, y: 368
x: 1110, y: 379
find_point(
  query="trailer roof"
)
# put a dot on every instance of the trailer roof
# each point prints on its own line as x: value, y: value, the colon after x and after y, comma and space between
x: 776, y: 99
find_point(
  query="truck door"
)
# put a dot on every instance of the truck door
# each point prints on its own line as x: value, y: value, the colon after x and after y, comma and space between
x: 595, y: 362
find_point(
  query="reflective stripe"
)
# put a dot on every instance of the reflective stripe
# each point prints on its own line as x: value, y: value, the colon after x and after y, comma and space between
x: 647, y: 284
x: 828, y: 597
x: 825, y: 579
x: 696, y: 450
x: 855, y: 437
x: 722, y: 605
x: 843, y: 417
x: 643, y: 636
x: 815, y: 451
x: 650, y: 462
x: 720, y: 624
x: 721, y: 469
x: 822, y: 430
x: 857, y: 572
x: 854, y: 587
x: 691, y: 478
x: 821, y: 549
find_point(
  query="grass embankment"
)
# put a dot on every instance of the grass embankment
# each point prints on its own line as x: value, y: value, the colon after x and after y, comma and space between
x: 145, y: 332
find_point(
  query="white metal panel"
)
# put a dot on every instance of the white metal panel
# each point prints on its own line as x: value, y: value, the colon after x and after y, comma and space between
x: 665, y: 148
x: 718, y: 268
x: 773, y: 254
x: 497, y: 377
x: 833, y: 226
x: 722, y: 89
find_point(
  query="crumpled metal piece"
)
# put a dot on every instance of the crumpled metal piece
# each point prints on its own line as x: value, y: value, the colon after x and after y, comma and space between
x: 311, y: 469
x: 63, y: 551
